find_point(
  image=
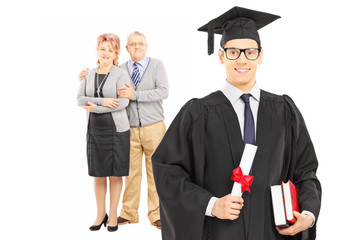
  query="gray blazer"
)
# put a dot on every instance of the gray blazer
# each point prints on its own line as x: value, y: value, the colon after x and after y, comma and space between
x: 116, y: 79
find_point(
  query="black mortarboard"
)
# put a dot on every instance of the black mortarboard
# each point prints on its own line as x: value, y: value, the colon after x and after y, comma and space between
x: 237, y: 23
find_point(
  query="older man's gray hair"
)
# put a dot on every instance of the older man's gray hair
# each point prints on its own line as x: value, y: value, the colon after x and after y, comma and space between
x: 135, y: 33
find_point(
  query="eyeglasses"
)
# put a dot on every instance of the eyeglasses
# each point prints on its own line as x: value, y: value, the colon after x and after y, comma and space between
x: 250, y: 53
x: 133, y: 44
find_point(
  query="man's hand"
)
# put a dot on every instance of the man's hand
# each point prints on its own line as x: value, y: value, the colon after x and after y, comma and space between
x: 83, y: 73
x: 89, y: 108
x: 302, y: 223
x: 228, y: 207
x: 126, y: 92
x: 110, y: 102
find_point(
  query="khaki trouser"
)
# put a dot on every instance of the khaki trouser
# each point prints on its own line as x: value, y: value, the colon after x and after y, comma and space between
x: 142, y: 139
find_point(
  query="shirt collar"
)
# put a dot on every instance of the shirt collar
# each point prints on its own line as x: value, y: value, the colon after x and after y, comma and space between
x: 142, y: 62
x: 233, y: 93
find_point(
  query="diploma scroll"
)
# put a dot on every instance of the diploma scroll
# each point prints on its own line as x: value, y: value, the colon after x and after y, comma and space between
x: 245, y: 166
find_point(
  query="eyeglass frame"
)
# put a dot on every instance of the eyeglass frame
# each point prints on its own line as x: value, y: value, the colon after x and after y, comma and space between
x: 134, y: 44
x: 243, y: 51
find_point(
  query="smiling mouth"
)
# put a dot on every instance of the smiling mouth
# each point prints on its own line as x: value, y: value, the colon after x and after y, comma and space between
x: 105, y: 57
x: 242, y: 70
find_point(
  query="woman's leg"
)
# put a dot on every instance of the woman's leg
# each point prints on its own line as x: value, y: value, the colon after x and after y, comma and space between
x: 115, y: 191
x: 100, y: 186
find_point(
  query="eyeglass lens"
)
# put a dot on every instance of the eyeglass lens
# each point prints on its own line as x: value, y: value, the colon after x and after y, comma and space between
x: 234, y: 53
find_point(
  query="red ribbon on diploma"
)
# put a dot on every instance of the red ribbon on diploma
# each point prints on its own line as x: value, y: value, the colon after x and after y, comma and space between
x: 244, y: 180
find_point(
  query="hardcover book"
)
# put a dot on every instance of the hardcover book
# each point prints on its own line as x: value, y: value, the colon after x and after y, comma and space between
x: 285, y: 202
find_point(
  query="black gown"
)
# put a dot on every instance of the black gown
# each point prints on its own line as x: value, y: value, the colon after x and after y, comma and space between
x: 107, y: 150
x: 204, y: 144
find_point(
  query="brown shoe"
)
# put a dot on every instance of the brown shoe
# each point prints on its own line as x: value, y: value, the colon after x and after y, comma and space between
x: 157, y: 224
x: 122, y: 221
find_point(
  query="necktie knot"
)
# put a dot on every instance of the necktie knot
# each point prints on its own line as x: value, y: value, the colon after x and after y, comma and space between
x: 246, y: 97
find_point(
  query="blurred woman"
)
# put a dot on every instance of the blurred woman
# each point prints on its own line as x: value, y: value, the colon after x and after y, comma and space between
x: 108, y: 136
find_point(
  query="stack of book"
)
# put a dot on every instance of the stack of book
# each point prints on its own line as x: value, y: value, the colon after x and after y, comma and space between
x: 285, y: 202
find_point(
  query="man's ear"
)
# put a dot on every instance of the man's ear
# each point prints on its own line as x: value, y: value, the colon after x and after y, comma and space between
x: 221, y: 56
x: 260, y: 57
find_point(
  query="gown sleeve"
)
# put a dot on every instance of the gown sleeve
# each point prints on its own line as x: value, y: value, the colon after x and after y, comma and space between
x: 303, y: 164
x: 178, y: 166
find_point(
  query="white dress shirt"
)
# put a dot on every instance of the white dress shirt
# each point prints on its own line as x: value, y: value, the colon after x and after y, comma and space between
x: 233, y: 94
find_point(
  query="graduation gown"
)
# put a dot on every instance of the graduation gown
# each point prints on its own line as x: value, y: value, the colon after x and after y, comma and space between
x: 201, y: 148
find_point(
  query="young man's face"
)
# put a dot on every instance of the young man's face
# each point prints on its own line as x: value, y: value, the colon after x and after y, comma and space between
x: 241, y: 72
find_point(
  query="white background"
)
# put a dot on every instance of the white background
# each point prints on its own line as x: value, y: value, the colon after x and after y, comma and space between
x: 311, y: 54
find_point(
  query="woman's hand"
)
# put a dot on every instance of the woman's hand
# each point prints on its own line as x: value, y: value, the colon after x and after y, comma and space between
x: 89, y: 108
x: 110, y: 102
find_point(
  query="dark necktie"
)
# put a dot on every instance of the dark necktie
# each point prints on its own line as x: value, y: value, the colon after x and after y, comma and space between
x: 249, y: 127
x: 249, y: 137
x: 136, y: 75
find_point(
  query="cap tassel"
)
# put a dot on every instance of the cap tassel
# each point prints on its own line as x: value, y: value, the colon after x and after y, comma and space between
x: 211, y: 26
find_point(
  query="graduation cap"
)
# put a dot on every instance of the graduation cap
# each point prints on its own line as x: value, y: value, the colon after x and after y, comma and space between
x: 237, y: 23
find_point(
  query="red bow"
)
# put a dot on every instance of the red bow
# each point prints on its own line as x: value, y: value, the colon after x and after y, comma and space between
x: 244, y: 180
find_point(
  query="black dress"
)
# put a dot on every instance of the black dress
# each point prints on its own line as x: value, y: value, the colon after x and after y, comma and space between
x: 107, y: 150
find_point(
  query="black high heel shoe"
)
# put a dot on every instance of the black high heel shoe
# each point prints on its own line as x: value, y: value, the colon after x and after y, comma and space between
x: 97, y: 227
x: 112, y: 229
